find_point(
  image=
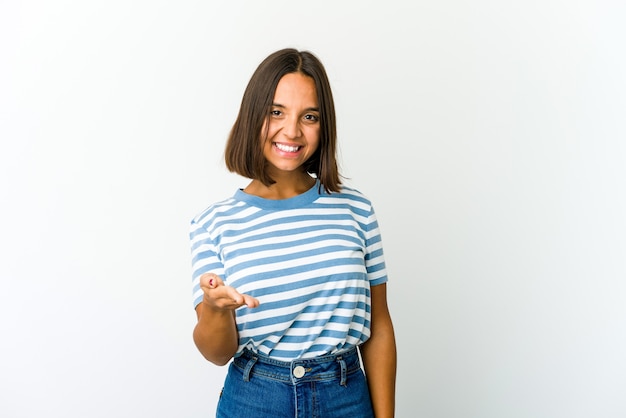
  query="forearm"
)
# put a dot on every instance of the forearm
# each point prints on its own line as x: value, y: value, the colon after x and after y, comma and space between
x: 379, y: 360
x: 215, y: 334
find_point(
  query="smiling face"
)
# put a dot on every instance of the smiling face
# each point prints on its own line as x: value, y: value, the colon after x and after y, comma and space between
x: 293, y: 125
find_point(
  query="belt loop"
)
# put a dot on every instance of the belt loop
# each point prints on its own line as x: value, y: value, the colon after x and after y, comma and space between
x: 248, y: 369
x: 342, y: 363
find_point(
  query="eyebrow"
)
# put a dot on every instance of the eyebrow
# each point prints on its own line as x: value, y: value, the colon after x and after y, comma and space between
x: 308, y: 109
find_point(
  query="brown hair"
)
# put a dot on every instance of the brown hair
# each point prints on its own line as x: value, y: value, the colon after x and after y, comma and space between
x: 244, y: 150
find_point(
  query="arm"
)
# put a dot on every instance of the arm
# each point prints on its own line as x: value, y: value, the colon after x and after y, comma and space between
x: 215, y: 334
x: 379, y: 356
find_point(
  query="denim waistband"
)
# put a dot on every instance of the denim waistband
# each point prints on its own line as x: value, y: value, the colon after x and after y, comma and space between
x: 323, y: 368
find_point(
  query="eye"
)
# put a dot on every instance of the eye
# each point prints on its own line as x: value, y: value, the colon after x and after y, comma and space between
x: 276, y: 113
x: 311, y: 117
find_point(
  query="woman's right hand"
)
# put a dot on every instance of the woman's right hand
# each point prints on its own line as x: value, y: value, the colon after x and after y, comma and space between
x: 218, y: 296
x: 215, y: 333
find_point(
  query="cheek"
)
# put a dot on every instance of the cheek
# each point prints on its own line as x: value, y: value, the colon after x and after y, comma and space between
x: 314, y: 136
x: 269, y: 129
x: 267, y: 132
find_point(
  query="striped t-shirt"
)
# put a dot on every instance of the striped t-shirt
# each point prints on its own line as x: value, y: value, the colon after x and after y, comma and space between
x: 310, y: 260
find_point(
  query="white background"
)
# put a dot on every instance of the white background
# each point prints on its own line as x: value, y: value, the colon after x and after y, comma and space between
x: 489, y: 135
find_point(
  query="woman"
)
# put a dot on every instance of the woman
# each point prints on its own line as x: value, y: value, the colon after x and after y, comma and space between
x: 289, y: 276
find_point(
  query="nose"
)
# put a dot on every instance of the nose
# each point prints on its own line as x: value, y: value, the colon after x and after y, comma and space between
x: 291, y: 128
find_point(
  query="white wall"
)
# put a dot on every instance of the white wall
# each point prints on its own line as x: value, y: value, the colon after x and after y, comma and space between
x: 490, y: 136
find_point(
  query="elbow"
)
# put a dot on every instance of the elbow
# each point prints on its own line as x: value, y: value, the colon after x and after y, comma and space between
x: 219, y: 361
x: 218, y: 355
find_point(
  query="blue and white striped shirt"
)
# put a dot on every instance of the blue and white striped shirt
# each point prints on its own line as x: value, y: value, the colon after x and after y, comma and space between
x: 310, y: 260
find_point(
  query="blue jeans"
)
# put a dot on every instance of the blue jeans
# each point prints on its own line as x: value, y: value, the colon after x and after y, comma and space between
x: 324, y: 387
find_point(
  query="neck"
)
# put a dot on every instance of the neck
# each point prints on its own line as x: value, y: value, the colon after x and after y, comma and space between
x: 283, y: 188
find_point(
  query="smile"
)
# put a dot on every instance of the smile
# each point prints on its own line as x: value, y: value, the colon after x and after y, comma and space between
x: 287, y: 148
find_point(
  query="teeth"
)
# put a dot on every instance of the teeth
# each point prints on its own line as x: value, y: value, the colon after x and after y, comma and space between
x: 287, y: 148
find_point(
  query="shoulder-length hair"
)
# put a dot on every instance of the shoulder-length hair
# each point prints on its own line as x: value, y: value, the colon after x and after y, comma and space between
x: 244, y: 148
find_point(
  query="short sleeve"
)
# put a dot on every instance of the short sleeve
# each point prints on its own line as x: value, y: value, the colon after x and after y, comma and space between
x: 204, y: 258
x: 374, y: 257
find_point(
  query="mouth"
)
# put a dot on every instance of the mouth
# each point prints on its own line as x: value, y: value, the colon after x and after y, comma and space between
x: 287, y: 148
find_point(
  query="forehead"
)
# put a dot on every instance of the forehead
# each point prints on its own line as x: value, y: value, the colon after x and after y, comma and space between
x: 295, y: 87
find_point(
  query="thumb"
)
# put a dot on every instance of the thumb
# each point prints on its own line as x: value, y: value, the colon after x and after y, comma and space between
x: 210, y: 281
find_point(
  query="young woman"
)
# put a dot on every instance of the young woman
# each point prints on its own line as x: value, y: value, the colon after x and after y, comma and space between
x: 289, y: 277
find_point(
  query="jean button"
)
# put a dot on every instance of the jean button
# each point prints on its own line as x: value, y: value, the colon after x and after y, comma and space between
x: 298, y: 372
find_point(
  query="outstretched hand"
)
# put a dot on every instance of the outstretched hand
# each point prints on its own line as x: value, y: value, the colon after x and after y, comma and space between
x: 222, y: 297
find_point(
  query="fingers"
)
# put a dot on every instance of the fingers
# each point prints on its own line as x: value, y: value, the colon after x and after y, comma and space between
x: 232, y: 294
x: 220, y: 296
x: 250, y: 302
x: 240, y: 299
